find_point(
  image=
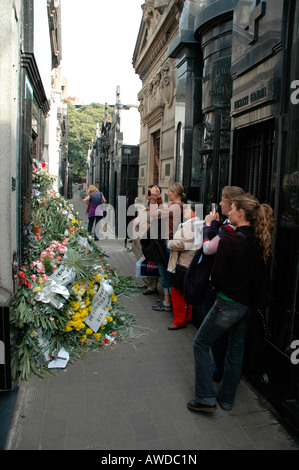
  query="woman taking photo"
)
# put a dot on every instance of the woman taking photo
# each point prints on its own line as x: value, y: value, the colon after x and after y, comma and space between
x: 170, y: 216
x: 212, y: 232
x: 182, y: 249
x: 241, y: 263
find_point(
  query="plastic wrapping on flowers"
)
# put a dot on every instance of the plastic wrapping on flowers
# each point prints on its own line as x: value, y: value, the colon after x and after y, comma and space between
x: 67, y: 294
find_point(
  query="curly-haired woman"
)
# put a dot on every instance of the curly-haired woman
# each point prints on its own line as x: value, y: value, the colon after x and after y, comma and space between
x: 240, y: 265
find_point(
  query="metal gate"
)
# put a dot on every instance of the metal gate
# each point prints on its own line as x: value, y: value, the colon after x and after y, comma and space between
x: 254, y: 161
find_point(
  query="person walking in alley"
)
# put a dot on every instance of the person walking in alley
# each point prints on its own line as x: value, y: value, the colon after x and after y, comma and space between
x: 241, y: 263
x: 95, y: 212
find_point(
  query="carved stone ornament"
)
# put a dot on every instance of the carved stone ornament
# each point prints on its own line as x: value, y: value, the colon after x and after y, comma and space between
x: 151, y: 16
x: 158, y: 92
x: 167, y: 83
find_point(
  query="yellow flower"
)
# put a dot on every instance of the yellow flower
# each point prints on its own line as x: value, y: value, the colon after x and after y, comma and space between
x: 114, y: 299
x: 89, y: 331
x: 83, y: 338
x: 79, y: 325
x: 106, y: 276
x: 97, y: 336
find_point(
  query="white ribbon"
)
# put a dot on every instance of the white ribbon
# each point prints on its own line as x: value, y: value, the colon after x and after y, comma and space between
x: 48, y: 294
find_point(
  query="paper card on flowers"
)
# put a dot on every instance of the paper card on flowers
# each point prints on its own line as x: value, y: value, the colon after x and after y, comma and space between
x: 63, y: 275
x: 60, y: 361
x: 100, y: 307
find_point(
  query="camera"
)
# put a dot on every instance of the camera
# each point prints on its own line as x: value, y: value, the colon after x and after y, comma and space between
x: 149, y: 192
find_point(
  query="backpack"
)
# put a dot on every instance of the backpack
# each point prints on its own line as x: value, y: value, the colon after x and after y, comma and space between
x: 197, y: 277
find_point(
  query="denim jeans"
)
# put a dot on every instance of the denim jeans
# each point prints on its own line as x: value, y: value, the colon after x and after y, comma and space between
x: 219, y: 346
x: 224, y: 316
x: 166, y: 276
x: 91, y: 220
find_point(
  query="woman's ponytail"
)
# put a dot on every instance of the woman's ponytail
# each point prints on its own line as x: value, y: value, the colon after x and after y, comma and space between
x: 264, y: 225
x: 261, y: 218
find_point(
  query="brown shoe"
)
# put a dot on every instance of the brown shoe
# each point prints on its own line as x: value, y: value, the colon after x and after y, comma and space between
x: 173, y: 326
x: 149, y: 292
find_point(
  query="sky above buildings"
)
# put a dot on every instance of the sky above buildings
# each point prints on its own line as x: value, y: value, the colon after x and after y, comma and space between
x: 98, y: 41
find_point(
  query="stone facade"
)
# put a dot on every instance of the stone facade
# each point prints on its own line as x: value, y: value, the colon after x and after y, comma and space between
x: 157, y: 72
x: 31, y: 48
x: 9, y: 140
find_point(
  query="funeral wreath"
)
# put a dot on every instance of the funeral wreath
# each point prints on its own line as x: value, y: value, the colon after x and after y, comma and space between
x: 67, y: 298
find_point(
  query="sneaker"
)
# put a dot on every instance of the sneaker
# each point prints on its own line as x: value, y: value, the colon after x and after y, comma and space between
x: 196, y: 406
x: 160, y: 307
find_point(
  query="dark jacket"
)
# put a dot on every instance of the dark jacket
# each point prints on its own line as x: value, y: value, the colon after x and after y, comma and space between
x: 239, y: 271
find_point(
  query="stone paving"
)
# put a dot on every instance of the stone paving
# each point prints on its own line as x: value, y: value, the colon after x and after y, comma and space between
x: 133, y: 395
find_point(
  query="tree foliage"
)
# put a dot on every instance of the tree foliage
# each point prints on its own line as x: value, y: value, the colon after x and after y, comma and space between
x: 82, y: 124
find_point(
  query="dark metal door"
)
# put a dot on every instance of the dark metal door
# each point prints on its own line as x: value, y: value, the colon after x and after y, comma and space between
x: 156, y: 138
x: 5, y: 367
x: 25, y: 196
x: 256, y: 168
x: 253, y: 161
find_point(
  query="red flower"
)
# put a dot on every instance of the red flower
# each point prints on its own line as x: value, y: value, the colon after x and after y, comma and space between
x: 44, y: 165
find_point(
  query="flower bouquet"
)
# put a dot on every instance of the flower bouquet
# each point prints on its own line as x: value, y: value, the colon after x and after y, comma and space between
x: 67, y: 298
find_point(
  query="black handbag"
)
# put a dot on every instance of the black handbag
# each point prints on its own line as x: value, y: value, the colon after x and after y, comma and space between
x: 197, y: 277
x: 179, y: 275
